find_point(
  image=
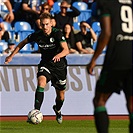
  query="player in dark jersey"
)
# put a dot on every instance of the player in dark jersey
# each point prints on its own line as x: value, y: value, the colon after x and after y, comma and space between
x: 53, y: 64
x: 117, y: 27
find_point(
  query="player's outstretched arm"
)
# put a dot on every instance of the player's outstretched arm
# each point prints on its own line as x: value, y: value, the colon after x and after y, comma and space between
x: 16, y: 50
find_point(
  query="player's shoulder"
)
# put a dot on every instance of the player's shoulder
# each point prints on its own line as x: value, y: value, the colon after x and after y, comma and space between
x: 38, y: 33
x: 55, y: 29
x: 35, y: 34
x: 104, y: 7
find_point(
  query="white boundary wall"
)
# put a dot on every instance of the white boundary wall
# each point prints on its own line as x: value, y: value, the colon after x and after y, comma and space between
x: 18, y: 84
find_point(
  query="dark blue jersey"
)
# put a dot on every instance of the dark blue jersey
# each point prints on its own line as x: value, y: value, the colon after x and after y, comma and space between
x: 49, y: 45
x: 119, y: 51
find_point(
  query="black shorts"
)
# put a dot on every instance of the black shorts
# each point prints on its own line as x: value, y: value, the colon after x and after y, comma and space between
x: 56, y: 72
x: 115, y: 81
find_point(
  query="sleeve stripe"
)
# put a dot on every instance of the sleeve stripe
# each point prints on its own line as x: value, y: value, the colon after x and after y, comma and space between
x: 105, y: 15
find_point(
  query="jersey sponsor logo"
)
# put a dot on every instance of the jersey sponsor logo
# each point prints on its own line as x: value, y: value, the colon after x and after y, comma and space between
x: 122, y: 38
x: 52, y: 40
x: 47, y: 46
x: 44, y: 45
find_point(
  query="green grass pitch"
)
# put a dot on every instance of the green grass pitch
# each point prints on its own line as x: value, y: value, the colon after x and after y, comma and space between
x: 68, y: 126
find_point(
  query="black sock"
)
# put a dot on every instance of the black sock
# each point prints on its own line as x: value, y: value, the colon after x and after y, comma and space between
x: 101, y: 119
x: 131, y: 123
x: 59, y: 104
x: 39, y: 95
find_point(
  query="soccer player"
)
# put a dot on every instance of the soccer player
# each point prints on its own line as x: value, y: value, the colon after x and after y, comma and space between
x: 53, y: 64
x: 117, y: 27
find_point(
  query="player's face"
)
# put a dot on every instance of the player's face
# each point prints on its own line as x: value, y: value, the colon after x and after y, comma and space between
x: 46, y: 26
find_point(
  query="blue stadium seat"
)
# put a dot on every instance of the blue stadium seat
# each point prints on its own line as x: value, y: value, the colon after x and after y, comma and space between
x: 83, y: 8
x: 35, y: 46
x: 9, y: 28
x: 76, y: 25
x: 80, y: 6
x: 22, y: 26
x: 3, y: 46
x: 3, y: 7
x: 56, y: 8
x: 22, y: 30
x: 96, y: 27
x: 26, y: 49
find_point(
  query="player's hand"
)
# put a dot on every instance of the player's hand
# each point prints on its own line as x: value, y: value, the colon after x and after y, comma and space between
x: 56, y: 58
x: 8, y: 59
x: 90, y: 68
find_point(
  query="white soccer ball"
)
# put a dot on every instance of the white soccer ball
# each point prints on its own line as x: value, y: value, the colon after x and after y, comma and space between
x: 35, y: 116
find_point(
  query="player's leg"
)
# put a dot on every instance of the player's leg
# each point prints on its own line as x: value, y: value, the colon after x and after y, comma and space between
x: 131, y: 114
x: 130, y: 110
x: 39, y: 94
x: 59, y: 82
x: 59, y: 103
x: 60, y: 95
x: 100, y: 112
x: 59, y: 100
x: 43, y: 77
x: 129, y: 97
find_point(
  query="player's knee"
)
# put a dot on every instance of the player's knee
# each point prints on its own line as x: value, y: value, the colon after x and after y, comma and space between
x: 42, y: 81
x: 98, y: 102
x: 60, y: 98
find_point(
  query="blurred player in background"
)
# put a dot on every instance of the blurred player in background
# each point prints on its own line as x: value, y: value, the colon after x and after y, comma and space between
x: 117, y: 33
x: 53, y: 64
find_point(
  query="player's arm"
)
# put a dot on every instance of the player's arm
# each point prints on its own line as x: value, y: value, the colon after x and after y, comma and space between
x: 16, y: 50
x: 65, y: 51
x: 102, y: 41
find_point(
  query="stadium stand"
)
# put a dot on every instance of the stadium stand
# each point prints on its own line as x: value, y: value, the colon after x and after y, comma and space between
x: 56, y: 8
x: 3, y: 7
x: 22, y: 30
x: 3, y: 46
x: 80, y: 6
x: 84, y: 15
x: 9, y: 28
x: 97, y: 29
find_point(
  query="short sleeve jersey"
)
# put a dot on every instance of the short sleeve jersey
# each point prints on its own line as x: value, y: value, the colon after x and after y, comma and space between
x: 119, y: 50
x: 84, y: 39
x: 49, y: 45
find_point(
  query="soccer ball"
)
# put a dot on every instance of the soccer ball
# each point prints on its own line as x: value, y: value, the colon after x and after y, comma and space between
x: 35, y: 116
